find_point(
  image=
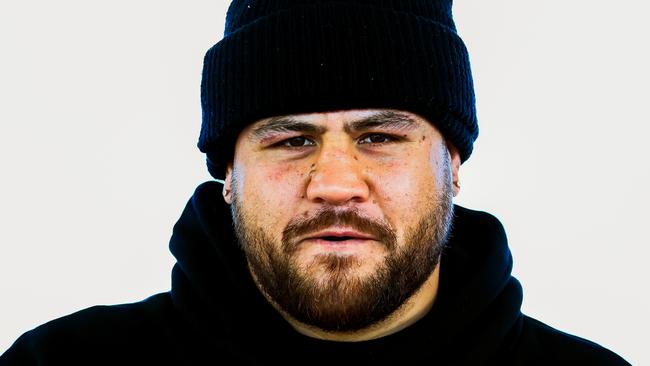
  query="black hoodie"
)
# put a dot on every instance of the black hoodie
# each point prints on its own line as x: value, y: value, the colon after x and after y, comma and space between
x: 215, y: 315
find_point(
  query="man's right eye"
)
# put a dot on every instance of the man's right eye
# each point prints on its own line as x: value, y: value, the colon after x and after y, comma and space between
x: 294, y: 142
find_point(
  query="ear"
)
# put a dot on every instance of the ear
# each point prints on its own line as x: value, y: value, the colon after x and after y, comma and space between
x: 455, y: 166
x: 227, y: 188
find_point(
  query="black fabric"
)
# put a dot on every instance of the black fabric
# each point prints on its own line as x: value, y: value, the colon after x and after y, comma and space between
x: 281, y: 57
x: 215, y: 315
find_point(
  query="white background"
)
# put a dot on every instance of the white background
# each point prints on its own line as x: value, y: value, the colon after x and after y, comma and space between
x: 100, y: 114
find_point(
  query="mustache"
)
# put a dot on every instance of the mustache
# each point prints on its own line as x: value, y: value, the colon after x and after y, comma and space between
x: 327, y: 217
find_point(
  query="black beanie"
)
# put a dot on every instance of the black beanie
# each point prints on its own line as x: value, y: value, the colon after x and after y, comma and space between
x: 281, y: 57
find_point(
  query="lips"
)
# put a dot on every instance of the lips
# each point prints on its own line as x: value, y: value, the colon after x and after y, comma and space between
x: 340, y: 235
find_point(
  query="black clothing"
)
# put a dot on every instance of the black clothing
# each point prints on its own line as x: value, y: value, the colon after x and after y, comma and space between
x: 215, y: 315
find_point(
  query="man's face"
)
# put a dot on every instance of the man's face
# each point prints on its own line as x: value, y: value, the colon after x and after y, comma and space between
x: 342, y: 215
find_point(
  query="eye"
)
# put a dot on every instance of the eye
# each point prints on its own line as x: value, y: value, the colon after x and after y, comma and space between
x: 378, y: 139
x: 294, y: 142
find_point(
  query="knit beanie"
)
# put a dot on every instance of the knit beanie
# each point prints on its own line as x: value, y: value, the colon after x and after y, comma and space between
x: 281, y: 57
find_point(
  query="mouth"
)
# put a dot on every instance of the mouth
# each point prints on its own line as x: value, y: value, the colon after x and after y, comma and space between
x: 340, y: 242
x: 343, y: 236
x: 336, y: 238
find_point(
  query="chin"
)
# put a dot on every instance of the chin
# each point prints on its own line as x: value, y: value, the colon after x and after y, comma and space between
x: 326, y: 268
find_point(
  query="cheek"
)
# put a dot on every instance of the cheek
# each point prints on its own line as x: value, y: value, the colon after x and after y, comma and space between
x: 277, y: 173
x: 405, y: 179
x: 404, y: 189
x: 272, y: 191
x: 284, y: 179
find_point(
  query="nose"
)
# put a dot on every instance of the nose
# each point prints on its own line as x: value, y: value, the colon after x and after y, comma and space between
x: 336, y: 178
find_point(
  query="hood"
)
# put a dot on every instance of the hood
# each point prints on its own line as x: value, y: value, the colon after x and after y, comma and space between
x: 475, y: 318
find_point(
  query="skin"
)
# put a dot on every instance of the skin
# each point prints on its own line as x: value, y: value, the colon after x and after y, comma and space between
x: 344, y: 169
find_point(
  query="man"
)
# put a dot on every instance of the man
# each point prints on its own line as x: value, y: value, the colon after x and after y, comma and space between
x: 338, y: 129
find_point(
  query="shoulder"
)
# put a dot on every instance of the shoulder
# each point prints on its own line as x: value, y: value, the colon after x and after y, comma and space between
x: 93, y: 331
x: 542, y: 344
x: 470, y: 221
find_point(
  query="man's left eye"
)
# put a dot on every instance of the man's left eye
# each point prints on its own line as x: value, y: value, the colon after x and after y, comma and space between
x: 378, y: 138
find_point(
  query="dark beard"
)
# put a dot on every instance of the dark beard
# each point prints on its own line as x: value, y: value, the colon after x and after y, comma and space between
x: 345, y: 302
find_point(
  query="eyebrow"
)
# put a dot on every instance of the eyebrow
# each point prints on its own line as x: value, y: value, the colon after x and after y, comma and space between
x: 277, y: 125
x: 387, y: 120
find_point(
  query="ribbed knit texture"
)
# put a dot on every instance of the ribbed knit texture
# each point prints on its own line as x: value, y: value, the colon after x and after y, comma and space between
x: 299, y: 56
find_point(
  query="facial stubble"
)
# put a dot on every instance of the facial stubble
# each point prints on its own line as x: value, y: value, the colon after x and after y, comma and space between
x: 341, y: 300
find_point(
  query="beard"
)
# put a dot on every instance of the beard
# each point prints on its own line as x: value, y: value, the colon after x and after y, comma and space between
x: 338, y: 299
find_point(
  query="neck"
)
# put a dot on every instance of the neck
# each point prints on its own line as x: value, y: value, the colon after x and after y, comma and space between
x: 412, y: 310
